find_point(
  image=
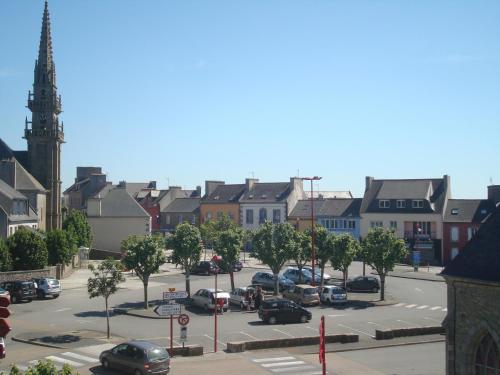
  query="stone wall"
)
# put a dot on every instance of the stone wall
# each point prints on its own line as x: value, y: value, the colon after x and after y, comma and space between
x: 29, y: 274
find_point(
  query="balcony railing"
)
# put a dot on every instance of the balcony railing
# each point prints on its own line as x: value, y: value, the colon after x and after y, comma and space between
x: 44, y: 105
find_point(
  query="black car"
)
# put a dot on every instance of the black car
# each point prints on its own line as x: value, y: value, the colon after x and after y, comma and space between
x: 137, y: 357
x: 283, y: 311
x: 237, y: 266
x: 205, y: 268
x: 20, y: 290
x: 363, y: 284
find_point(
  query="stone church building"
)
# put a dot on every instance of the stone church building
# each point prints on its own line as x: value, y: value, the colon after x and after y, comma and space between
x: 473, y: 321
x: 44, y: 134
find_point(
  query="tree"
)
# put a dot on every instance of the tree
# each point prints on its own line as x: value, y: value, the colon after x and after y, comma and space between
x: 60, y: 247
x: 273, y: 245
x: 302, y: 254
x: 144, y: 255
x: 324, y: 249
x: 43, y: 367
x: 28, y: 250
x: 228, y: 244
x: 104, y: 283
x: 5, y: 258
x: 345, y: 250
x: 186, y: 243
x: 211, y: 228
x: 78, y: 226
x: 381, y: 250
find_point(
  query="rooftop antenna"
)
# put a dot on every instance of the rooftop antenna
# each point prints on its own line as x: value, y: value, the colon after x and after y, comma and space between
x: 252, y: 173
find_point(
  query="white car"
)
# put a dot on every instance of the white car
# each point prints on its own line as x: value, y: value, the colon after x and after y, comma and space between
x: 205, y: 298
x: 332, y: 294
x: 238, y: 296
x: 47, y: 286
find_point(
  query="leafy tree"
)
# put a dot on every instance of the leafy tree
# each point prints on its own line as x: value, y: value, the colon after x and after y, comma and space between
x: 44, y: 367
x: 28, y: 250
x: 186, y: 245
x: 274, y: 244
x: 345, y: 250
x: 5, y: 258
x: 382, y: 249
x: 104, y: 283
x: 324, y: 249
x: 144, y: 255
x: 211, y: 228
x: 78, y: 226
x: 228, y: 244
x: 302, y: 254
x: 60, y: 246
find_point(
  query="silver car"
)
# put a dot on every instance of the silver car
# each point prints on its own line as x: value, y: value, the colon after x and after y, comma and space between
x: 238, y: 297
x: 205, y: 298
x: 332, y: 294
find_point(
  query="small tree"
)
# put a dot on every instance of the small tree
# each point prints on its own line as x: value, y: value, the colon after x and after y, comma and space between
x: 28, y: 250
x: 104, y: 283
x: 228, y: 244
x: 211, y: 228
x: 78, y: 226
x: 302, y: 254
x: 186, y: 243
x: 144, y: 255
x: 43, y: 367
x: 60, y: 247
x: 381, y: 250
x: 324, y: 249
x: 345, y: 250
x: 274, y: 244
x: 5, y: 258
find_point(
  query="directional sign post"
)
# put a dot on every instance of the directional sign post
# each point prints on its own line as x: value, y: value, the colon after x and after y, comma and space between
x: 168, y: 309
x: 183, y: 337
x: 175, y: 295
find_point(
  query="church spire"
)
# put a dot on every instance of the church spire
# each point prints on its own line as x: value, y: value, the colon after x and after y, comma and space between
x: 45, y: 70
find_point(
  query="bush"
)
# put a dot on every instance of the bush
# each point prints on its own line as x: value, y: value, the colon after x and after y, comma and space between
x: 43, y: 368
x: 60, y: 247
x: 5, y: 258
x: 77, y: 225
x: 28, y: 250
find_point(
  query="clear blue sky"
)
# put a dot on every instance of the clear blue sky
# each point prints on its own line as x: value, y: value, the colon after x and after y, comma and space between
x: 193, y: 90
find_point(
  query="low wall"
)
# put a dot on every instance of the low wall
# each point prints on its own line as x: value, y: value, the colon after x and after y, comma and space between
x: 387, y: 334
x: 101, y: 254
x: 186, y: 351
x: 28, y: 274
x: 241, y: 346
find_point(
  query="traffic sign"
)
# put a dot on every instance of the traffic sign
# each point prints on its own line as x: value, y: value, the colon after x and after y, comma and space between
x: 168, y: 309
x: 183, y: 319
x: 184, y: 334
x: 4, y: 313
x: 175, y: 295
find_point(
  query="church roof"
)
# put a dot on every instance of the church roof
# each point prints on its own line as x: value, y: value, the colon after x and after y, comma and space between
x: 25, y: 181
x: 480, y: 258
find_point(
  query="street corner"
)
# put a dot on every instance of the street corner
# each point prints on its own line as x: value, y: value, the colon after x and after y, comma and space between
x: 65, y: 340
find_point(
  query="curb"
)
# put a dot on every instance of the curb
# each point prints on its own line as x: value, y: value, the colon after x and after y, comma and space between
x: 417, y: 278
x: 119, y: 311
x: 385, y: 346
x: 38, y: 343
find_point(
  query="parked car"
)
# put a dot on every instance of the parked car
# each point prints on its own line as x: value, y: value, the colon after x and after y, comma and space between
x: 2, y: 348
x: 237, y: 266
x: 303, y: 294
x: 283, y: 311
x: 332, y: 294
x: 205, y: 298
x: 4, y: 293
x: 137, y: 357
x: 47, y: 286
x: 266, y: 279
x: 19, y: 290
x: 205, y: 268
x: 317, y: 271
x: 363, y: 284
x: 302, y: 276
x: 237, y: 297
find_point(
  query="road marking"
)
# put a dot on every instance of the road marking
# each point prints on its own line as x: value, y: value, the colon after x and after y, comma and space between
x: 399, y: 304
x: 211, y: 338
x: 64, y: 361
x: 84, y: 321
x: 377, y: 324
x: 445, y: 309
x: 434, y: 320
x: 356, y: 330
x: 410, y: 306
x: 418, y: 290
x: 422, y: 307
x: 281, y: 364
x: 80, y: 357
x: 336, y: 315
x: 284, y: 333
x: 295, y: 369
x: 410, y: 324
x: 249, y: 335
x: 436, y: 308
x: 64, y: 309
x: 272, y: 359
x: 312, y: 328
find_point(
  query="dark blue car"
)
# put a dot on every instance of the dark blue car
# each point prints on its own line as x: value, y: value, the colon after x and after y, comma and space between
x: 266, y: 280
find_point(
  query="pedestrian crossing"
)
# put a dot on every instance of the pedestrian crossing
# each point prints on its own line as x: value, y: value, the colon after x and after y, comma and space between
x: 420, y: 307
x: 287, y: 365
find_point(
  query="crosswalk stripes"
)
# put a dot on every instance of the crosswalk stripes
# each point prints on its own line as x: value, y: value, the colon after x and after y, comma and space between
x: 287, y: 365
x: 72, y: 359
x: 420, y: 307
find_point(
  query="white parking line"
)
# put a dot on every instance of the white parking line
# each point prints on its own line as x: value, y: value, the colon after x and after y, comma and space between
x: 211, y: 338
x: 399, y: 304
x: 80, y: 357
x: 296, y: 369
x: 281, y: 364
x: 63, y: 309
x: 356, y: 330
x: 249, y: 335
x: 53, y: 358
x: 284, y: 333
x: 378, y: 324
x: 422, y: 307
x: 411, y: 306
x: 434, y: 320
x: 436, y: 308
x: 445, y: 309
x: 408, y: 323
x: 272, y: 359
x: 312, y: 328
x: 337, y: 315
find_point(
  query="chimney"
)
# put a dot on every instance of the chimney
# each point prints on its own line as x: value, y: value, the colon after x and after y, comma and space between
x: 368, y: 183
x: 210, y: 186
x: 8, y: 172
x: 249, y: 182
x: 198, y: 191
x: 494, y: 193
x: 152, y: 185
x: 447, y: 185
x: 97, y: 182
x: 296, y: 183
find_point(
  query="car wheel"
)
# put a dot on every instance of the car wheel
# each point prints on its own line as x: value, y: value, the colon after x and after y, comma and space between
x: 13, y: 298
x: 272, y: 320
x: 206, y: 308
x: 30, y: 300
x: 303, y: 319
x: 329, y: 301
x: 40, y: 294
x: 242, y: 306
x: 56, y: 295
x: 137, y: 372
x: 105, y: 363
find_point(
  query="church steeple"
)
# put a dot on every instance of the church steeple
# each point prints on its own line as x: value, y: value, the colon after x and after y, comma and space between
x: 45, y: 135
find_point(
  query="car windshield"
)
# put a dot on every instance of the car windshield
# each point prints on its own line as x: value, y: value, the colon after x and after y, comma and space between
x: 53, y: 282
x: 157, y: 354
x: 338, y: 291
x: 310, y: 291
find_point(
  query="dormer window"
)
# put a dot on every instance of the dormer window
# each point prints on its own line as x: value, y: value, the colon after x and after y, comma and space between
x: 384, y: 203
x: 400, y: 203
x: 417, y: 203
x: 454, y: 211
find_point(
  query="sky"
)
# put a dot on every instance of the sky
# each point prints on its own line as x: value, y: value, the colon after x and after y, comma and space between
x: 183, y: 91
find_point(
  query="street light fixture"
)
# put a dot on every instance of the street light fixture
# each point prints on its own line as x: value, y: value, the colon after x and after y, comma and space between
x: 313, y: 234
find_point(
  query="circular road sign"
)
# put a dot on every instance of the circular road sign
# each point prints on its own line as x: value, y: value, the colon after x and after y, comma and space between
x: 183, y: 319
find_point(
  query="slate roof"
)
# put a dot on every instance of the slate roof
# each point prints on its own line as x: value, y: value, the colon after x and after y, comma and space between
x: 77, y: 185
x: 25, y: 181
x: 183, y: 205
x: 336, y: 207
x: 267, y: 192
x: 432, y: 191
x: 467, y: 210
x: 480, y: 258
x: 328, y: 194
x: 7, y: 153
x: 10, y: 192
x: 225, y: 194
x: 119, y: 203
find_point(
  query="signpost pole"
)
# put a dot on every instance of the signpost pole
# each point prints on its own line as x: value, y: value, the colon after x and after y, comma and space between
x: 171, y: 332
x: 215, y: 314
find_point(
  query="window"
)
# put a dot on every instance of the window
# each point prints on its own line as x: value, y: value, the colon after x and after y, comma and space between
x: 167, y: 219
x: 454, y: 252
x: 249, y: 216
x: 277, y: 216
x: 352, y: 224
x: 262, y: 216
x: 487, y: 359
x: 454, y: 211
x: 376, y: 224
x: 417, y: 203
x: 394, y: 225
x: 383, y: 203
x: 400, y: 203
x: 209, y: 215
x: 181, y: 219
x: 454, y: 233
x: 193, y: 219
x: 471, y: 232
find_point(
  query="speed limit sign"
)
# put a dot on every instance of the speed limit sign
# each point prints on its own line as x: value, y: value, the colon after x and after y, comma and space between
x: 183, y: 319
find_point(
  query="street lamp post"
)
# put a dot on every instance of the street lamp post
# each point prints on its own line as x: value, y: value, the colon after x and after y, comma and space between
x: 313, y: 234
x: 216, y: 259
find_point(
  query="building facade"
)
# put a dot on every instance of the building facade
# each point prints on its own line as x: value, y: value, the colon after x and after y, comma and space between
x: 15, y: 211
x: 221, y: 199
